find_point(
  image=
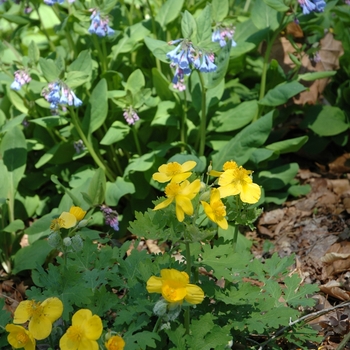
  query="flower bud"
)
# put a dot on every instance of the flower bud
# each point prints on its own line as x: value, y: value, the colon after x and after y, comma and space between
x: 160, y: 308
x: 205, y: 196
x: 83, y: 223
x: 67, y: 241
x: 54, y: 240
x: 77, y: 243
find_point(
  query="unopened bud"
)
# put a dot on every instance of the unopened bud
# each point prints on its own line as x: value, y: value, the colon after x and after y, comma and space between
x: 54, y: 240
x: 77, y: 243
x: 67, y: 241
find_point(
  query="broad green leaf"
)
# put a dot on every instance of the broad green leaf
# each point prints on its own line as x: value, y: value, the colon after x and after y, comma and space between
x: 40, y: 227
x: 99, y: 106
x: 288, y: 146
x: 240, y: 147
x: 264, y: 16
x: 277, y: 5
x: 316, y: 75
x: 138, y: 163
x: 82, y: 64
x: 21, y: 20
x: 204, y: 23
x: 219, y: 10
x: 14, y: 226
x: 161, y: 84
x: 97, y: 187
x: 33, y: 52
x: 74, y: 198
x: 117, y: 132
x: 28, y: 257
x: 76, y: 78
x: 234, y: 118
x: 117, y: 190
x: 13, y: 151
x: 135, y: 82
x: 299, y: 190
x: 50, y: 122
x: 213, y: 79
x: 169, y: 11
x: 277, y: 178
x: 325, y: 120
x: 9, y: 124
x: 158, y: 48
x: 188, y: 26
x: 49, y: 69
x: 5, y: 182
x: 282, y: 93
x: 17, y: 101
x: 164, y: 116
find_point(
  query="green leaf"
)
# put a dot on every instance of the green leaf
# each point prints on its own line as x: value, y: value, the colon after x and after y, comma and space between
x: 161, y: 84
x: 50, y: 122
x: 234, y: 118
x: 264, y: 16
x: 219, y: 10
x: 33, y: 52
x: 49, y: 69
x: 13, y: 150
x: 204, y: 23
x: 282, y: 93
x: 277, y: 178
x: 82, y: 64
x: 17, y: 101
x: 138, y: 163
x: 188, y: 26
x: 277, y: 5
x: 288, y: 146
x: 164, y: 116
x: 325, y: 120
x: 9, y: 124
x: 97, y: 187
x: 240, y: 147
x: 316, y: 75
x: 74, y: 198
x: 158, y: 48
x: 117, y: 190
x: 135, y: 82
x: 169, y: 11
x: 76, y: 78
x: 14, y: 226
x: 117, y: 132
x: 28, y: 257
x: 99, y: 107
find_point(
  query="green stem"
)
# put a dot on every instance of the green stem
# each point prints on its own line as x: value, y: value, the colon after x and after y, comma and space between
x: 203, y: 122
x: 235, y: 239
x: 90, y: 148
x: 156, y: 326
x: 187, y: 315
x: 100, y: 54
x: 343, y: 343
x: 187, y: 319
x: 136, y: 139
x: 246, y: 6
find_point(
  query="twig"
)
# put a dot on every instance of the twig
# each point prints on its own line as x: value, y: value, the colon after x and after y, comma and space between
x: 308, y: 317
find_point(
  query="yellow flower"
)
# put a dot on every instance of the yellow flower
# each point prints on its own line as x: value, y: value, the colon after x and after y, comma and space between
x: 228, y: 165
x: 68, y: 220
x: 19, y: 337
x: 174, y: 171
x: 86, y: 328
x: 239, y: 181
x: 175, y: 287
x: 216, y: 211
x: 41, y: 316
x: 182, y: 194
x: 115, y: 343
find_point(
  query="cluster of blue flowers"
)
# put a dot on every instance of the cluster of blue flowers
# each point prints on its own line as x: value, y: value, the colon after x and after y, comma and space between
x: 58, y: 93
x: 99, y: 25
x: 111, y: 217
x: 53, y: 2
x: 312, y: 6
x: 184, y: 57
x: 21, y: 77
x: 130, y: 115
x: 222, y: 35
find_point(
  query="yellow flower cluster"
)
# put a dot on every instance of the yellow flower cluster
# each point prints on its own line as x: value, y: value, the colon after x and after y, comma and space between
x: 233, y: 180
x: 84, y: 332
x: 68, y: 219
x: 175, y: 287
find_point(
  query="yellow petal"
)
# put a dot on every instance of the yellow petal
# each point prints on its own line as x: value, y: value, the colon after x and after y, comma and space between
x: 163, y: 204
x: 53, y: 308
x: 22, y: 312
x: 173, y: 292
x: 214, y: 195
x: 180, y: 215
x: 93, y: 327
x: 19, y: 337
x: 190, y: 190
x: 175, y: 275
x: 227, y: 177
x: 69, y: 220
x: 81, y: 316
x: 67, y: 344
x: 40, y: 327
x: 87, y: 344
x: 115, y: 343
x: 208, y: 211
x: 78, y: 213
x: 161, y: 177
x: 185, y: 204
x: 189, y: 165
x: 215, y: 173
x: 154, y: 285
x: 250, y: 193
x: 229, y: 190
x: 195, y: 294
x: 181, y: 177
x: 222, y: 223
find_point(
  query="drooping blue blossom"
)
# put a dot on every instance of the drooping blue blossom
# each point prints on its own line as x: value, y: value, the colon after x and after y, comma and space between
x: 184, y: 58
x: 59, y: 94
x: 21, y: 77
x: 309, y: 6
x: 130, y: 115
x: 222, y: 35
x: 111, y: 217
x: 99, y: 25
x: 53, y: 2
